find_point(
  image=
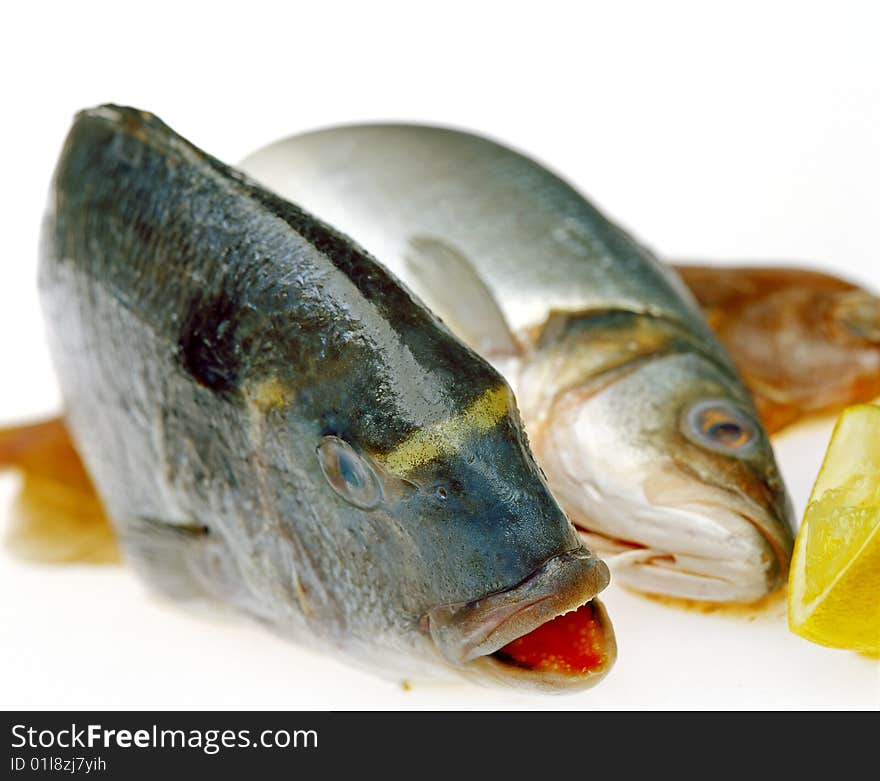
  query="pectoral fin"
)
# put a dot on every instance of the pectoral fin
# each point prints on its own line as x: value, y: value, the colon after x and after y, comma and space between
x: 172, y: 557
x: 448, y: 283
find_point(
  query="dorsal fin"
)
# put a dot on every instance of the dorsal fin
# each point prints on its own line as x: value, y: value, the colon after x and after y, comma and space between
x: 448, y: 282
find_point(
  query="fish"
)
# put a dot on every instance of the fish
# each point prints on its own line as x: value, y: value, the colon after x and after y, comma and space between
x: 274, y: 423
x: 634, y: 410
x: 805, y: 342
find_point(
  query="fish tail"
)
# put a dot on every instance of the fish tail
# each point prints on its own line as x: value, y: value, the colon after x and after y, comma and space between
x: 20, y: 444
x: 57, y: 515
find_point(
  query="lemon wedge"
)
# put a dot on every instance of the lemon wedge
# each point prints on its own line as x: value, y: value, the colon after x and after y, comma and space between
x: 834, y: 584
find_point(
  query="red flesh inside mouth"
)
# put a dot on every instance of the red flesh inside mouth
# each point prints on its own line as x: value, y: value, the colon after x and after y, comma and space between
x: 572, y: 643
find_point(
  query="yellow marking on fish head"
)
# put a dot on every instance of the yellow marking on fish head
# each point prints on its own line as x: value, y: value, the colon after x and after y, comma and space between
x: 269, y: 394
x: 262, y: 397
x: 448, y: 436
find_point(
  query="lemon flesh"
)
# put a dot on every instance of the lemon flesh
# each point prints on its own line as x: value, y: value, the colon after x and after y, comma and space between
x: 834, y: 584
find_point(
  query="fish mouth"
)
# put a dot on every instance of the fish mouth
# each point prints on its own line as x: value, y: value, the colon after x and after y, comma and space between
x: 743, y: 564
x: 547, y: 632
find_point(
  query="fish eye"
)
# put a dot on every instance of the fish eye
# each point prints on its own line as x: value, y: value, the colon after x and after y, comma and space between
x: 441, y: 493
x: 718, y: 425
x: 348, y: 474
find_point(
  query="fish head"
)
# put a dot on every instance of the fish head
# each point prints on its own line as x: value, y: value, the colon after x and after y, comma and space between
x: 810, y: 345
x: 479, y: 559
x: 665, y: 463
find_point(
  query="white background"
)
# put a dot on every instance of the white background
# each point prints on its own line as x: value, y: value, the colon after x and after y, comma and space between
x: 736, y: 132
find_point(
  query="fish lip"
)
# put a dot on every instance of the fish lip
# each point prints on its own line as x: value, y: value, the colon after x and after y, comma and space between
x: 466, y: 631
x: 774, y: 521
x: 781, y: 550
x: 772, y: 569
x: 772, y: 528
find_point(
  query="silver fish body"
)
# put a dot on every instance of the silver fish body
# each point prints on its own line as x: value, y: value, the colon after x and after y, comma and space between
x: 634, y: 409
x: 273, y: 422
